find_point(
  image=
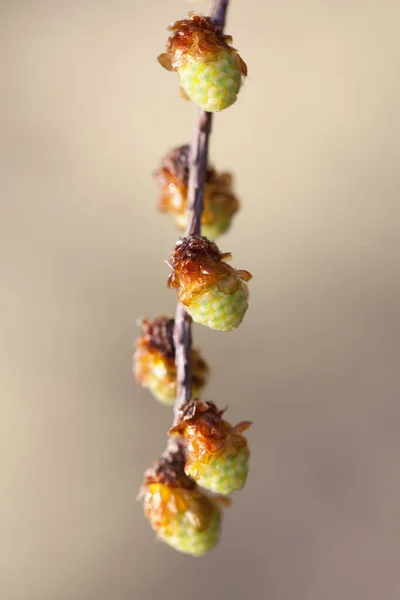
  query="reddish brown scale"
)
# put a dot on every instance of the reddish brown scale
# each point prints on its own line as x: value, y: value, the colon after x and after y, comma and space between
x: 208, y: 435
x: 173, y: 178
x: 169, y: 470
x: 159, y: 335
x: 196, y: 38
x: 174, y: 488
x: 197, y: 264
x: 157, y: 338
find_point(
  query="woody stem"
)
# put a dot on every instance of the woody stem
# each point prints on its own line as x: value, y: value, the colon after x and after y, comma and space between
x: 197, y: 176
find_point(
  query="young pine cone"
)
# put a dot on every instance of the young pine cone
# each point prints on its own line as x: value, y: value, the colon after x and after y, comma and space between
x: 219, y: 202
x: 154, y: 361
x: 209, y: 69
x: 217, y: 453
x: 213, y: 293
x: 182, y: 515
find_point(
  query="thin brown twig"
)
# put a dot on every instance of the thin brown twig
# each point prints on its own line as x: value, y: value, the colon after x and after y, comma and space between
x: 197, y: 176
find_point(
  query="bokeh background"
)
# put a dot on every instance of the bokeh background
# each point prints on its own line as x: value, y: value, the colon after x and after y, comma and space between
x: 86, y: 113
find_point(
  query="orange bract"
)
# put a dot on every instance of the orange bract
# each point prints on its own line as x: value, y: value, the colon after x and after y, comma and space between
x: 156, y: 344
x: 208, y: 435
x: 168, y: 491
x: 197, y: 264
x: 173, y: 179
x: 197, y: 38
x: 162, y: 503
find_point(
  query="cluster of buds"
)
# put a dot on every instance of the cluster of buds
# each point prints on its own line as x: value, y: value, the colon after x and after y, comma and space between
x: 154, y: 361
x: 210, y: 70
x: 219, y: 201
x: 204, y: 453
x: 213, y: 293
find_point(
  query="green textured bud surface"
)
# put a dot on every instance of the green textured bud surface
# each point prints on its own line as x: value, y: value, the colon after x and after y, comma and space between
x: 212, y: 85
x: 222, y: 475
x: 218, y: 310
x: 184, y: 538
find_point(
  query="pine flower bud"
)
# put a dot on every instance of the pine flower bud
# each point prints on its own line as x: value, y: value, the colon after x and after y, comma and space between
x: 217, y: 453
x: 154, y: 361
x: 209, y: 69
x: 213, y: 293
x: 219, y: 202
x: 181, y: 515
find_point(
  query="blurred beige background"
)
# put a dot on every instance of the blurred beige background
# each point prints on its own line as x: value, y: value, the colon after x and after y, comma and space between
x: 86, y: 113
